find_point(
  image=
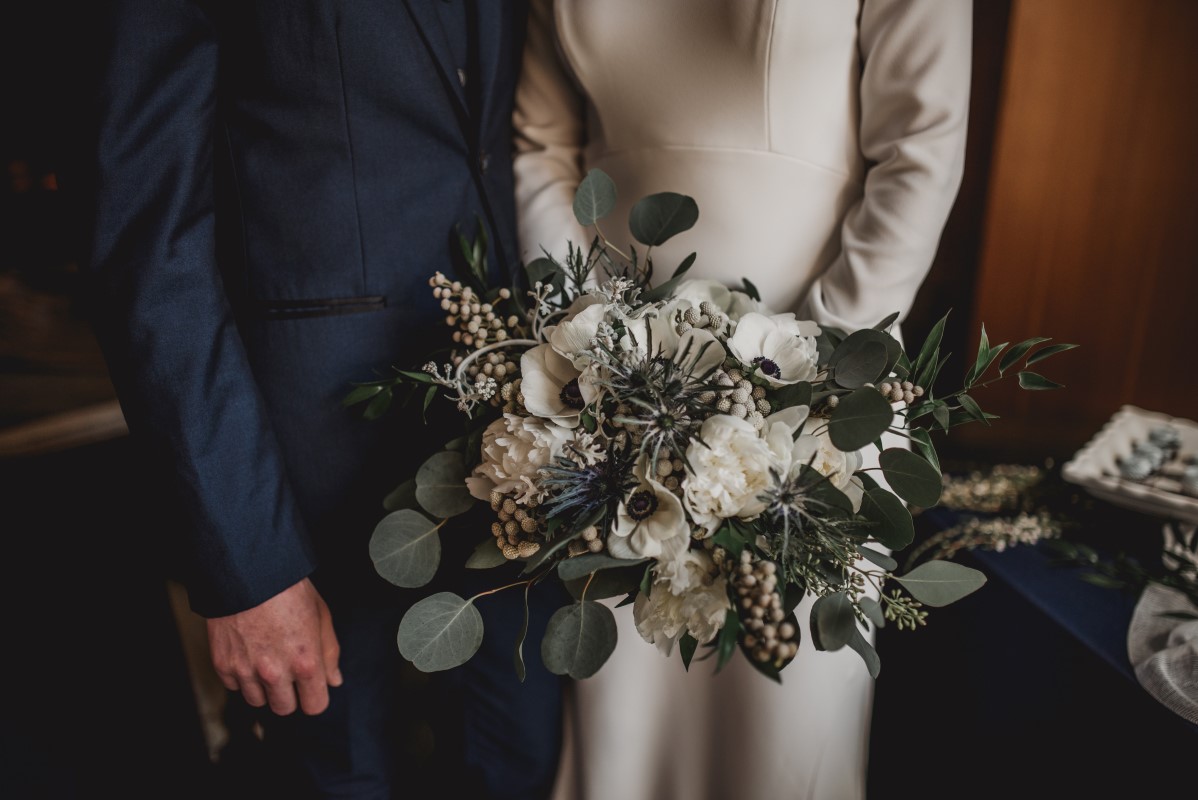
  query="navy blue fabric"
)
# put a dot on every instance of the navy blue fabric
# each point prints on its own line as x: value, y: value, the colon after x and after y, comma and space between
x: 269, y: 185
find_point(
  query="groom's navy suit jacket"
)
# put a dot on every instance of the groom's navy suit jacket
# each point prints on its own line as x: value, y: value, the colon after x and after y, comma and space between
x: 274, y: 183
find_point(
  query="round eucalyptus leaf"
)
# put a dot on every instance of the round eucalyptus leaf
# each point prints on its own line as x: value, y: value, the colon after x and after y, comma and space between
x: 911, y: 477
x: 657, y: 218
x: 486, y: 555
x: 873, y: 611
x: 405, y: 548
x: 850, y: 348
x: 893, y: 525
x: 832, y: 621
x: 595, y: 198
x: 441, y: 485
x: 938, y: 583
x: 440, y: 632
x: 862, y: 365
x: 859, y: 419
x: 867, y: 652
x: 579, y: 639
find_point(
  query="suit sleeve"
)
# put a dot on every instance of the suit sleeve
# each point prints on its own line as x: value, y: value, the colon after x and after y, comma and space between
x: 914, y: 107
x: 550, y: 134
x: 161, y: 313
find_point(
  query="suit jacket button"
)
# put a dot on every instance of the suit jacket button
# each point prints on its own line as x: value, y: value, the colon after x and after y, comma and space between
x: 484, y: 162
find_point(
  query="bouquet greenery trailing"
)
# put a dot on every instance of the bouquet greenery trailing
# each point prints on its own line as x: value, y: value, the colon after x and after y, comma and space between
x: 680, y: 446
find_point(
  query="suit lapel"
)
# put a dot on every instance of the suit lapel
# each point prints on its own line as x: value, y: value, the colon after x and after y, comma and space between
x: 432, y: 33
x: 493, y: 23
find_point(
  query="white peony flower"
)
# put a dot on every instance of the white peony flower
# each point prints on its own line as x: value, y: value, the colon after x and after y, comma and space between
x: 514, y: 449
x: 551, y: 387
x: 730, y: 468
x: 650, y: 522
x: 699, y: 608
x: 770, y: 347
x: 743, y: 304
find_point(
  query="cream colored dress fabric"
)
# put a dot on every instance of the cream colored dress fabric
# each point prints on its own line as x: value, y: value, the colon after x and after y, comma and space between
x: 823, y: 141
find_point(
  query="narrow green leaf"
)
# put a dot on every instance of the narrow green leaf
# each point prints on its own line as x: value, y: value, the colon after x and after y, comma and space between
x: 440, y: 632
x: 579, y: 639
x: 606, y: 583
x: 361, y: 394
x: 595, y: 198
x: 726, y: 642
x: 686, y: 648
x: 1033, y: 382
x: 940, y: 413
x: 751, y: 290
x: 972, y: 408
x: 938, y: 583
x: 666, y: 289
x: 583, y: 565
x: 923, y: 443
x: 929, y: 353
x: 880, y: 559
x: 867, y: 652
x: 983, y: 364
x: 405, y: 548
x: 1045, y: 352
x: 886, y: 323
x: 911, y: 477
x: 379, y: 405
x: 1017, y: 352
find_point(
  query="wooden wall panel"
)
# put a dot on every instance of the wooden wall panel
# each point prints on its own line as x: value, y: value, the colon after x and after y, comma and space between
x: 1091, y: 229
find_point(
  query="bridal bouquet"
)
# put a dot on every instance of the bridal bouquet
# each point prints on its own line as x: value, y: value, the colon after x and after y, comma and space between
x: 681, y: 446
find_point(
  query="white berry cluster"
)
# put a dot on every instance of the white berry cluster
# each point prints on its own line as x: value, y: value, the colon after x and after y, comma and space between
x: 476, y: 321
x: 589, y: 542
x: 739, y: 397
x: 894, y: 391
x: 670, y: 471
x: 770, y: 638
x: 520, y: 530
x: 707, y: 316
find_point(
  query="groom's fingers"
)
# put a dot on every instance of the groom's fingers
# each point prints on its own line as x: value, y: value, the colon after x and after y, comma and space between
x: 313, y: 693
x: 332, y: 649
x: 251, y: 690
x: 281, y: 696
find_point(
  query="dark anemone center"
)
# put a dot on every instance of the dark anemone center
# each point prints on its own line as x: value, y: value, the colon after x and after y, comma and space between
x: 571, y: 395
x: 642, y: 504
x: 767, y: 367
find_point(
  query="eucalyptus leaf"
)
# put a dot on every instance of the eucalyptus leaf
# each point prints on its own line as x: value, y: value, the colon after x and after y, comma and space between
x: 379, y: 405
x: 1034, y: 382
x: 579, y: 639
x: 872, y: 610
x: 867, y: 652
x: 1017, y: 352
x: 402, y: 496
x: 595, y: 198
x: 1045, y: 352
x: 441, y: 485
x: 911, y: 477
x: 486, y: 556
x: 860, y: 418
x: 440, y: 632
x: 656, y: 219
x: 751, y: 290
x: 606, y: 583
x: 938, y: 583
x: 832, y: 621
x: 666, y: 289
x: 850, y: 349
x: 791, y: 395
x: 862, y: 366
x: 405, y: 548
x: 880, y: 559
x: 583, y: 565
x: 893, y: 526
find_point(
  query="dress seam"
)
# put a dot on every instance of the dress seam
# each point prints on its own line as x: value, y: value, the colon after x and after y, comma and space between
x: 769, y: 54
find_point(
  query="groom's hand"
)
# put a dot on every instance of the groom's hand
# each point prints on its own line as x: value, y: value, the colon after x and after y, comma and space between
x: 283, y: 647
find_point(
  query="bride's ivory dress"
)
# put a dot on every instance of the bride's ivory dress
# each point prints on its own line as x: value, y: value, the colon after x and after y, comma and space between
x: 823, y: 141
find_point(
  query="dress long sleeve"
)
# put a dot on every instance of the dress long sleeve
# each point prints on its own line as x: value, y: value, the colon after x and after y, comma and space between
x: 550, y: 135
x: 162, y: 315
x: 914, y: 107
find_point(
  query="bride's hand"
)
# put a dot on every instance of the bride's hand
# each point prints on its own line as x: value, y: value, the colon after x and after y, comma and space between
x: 274, y: 651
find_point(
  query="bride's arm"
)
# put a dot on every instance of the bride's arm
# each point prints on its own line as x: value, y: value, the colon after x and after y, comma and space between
x: 550, y: 133
x: 914, y: 105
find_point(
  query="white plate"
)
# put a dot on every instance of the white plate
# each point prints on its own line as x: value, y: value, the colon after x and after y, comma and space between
x: 1095, y: 466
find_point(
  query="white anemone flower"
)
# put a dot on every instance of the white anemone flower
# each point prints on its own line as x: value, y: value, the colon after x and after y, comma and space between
x: 574, y: 336
x: 650, y: 522
x: 551, y: 387
x: 772, y: 350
